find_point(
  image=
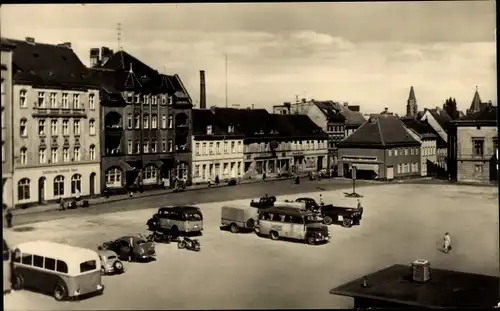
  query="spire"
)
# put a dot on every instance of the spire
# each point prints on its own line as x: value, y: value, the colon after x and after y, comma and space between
x: 131, y: 80
x: 412, y: 94
x: 476, y: 101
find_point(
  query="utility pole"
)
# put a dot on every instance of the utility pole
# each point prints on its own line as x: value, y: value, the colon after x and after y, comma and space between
x: 226, y: 78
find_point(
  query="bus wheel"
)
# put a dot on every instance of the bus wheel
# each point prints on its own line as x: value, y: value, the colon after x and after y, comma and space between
x: 327, y: 220
x: 59, y: 292
x: 274, y: 235
x: 18, y: 282
x: 234, y: 228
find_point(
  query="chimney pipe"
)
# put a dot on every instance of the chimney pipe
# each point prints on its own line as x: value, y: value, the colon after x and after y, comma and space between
x: 203, y: 94
x: 386, y: 109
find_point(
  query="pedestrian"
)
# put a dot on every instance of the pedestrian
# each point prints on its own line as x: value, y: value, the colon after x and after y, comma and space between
x: 217, y: 181
x: 321, y: 200
x: 264, y: 176
x: 209, y: 182
x: 61, y: 204
x: 359, y: 204
x: 447, y: 243
x: 8, y: 218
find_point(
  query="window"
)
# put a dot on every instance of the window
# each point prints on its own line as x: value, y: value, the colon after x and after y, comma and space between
x: 23, y: 189
x: 137, y: 147
x: 65, y: 127
x: 146, y: 122
x: 50, y: 264
x: 137, y: 98
x: 154, y: 121
x: 76, y: 183
x: 41, y: 127
x: 27, y: 259
x: 233, y: 147
x: 129, y: 121
x: 398, y: 169
x: 130, y: 148
x: 478, y: 145
x: 76, y: 154
x: 163, y: 121
x: 170, y: 100
x: 416, y: 151
x: 65, y: 101
x: 145, y: 145
x: 53, y: 155
x: 170, y: 145
x: 225, y: 168
x: 42, y: 155
x: 182, y: 170
x: 23, y: 156
x: 164, y: 146
x: 53, y: 100
x: 170, y: 122
x: 92, y: 152
x: 113, y: 177
x: 76, y: 101
x: 92, y: 127
x: 395, y: 152
x: 389, y: 152
x: 154, y: 100
x: 153, y: 146
x: 66, y: 154
x: 91, y: 101
x: 226, y: 147
x: 61, y: 266
x: 88, y: 266
x: 406, y: 151
x: 239, y: 168
x: 150, y: 173
x: 210, y: 148
x: 412, y: 151
x: 197, y: 171
x: 41, y: 100
x: 137, y: 121
x: 209, y: 130
x: 217, y: 147
x: 59, y: 185
x: 204, y: 148
x: 23, y: 129
x: 478, y: 168
x: 76, y: 127
x: 163, y: 99
x: 23, y: 102
x: 53, y: 127
x: 37, y: 261
x: 240, y: 146
x: 197, y: 148
x: 3, y: 117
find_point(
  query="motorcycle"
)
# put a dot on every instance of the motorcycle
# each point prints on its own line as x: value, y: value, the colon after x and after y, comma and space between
x: 190, y: 244
x: 159, y: 237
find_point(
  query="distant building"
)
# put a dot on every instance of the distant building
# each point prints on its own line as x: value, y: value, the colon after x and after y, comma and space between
x: 411, y: 106
x: 477, y: 105
x: 423, y: 132
x: 438, y: 119
x: 473, y: 147
x: 56, y: 124
x: 218, y: 148
x: 382, y: 148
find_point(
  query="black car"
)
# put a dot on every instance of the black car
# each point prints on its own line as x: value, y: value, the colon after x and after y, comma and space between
x: 347, y: 216
x: 264, y: 202
x: 130, y: 248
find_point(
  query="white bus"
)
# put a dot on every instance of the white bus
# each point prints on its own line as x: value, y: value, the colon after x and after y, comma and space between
x: 62, y: 270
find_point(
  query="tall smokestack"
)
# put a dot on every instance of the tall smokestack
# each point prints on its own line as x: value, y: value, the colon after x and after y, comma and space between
x: 203, y: 92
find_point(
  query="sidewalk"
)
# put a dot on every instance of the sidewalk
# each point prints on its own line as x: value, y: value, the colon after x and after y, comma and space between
x: 115, y: 198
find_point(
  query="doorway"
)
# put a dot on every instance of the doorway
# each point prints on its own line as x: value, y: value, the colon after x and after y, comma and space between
x: 41, y: 189
x: 92, y: 184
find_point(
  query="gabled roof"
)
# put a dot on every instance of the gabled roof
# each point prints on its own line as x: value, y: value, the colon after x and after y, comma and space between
x: 422, y: 128
x: 47, y: 64
x: 441, y: 116
x: 332, y: 110
x: 206, y: 117
x: 384, y: 130
x: 489, y: 114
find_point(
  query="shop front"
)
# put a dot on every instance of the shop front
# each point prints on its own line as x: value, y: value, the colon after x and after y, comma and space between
x: 47, y: 184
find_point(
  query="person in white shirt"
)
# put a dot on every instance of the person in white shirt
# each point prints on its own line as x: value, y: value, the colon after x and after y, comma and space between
x: 447, y: 243
x: 77, y: 194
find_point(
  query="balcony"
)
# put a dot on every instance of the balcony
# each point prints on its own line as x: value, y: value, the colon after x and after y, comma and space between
x: 45, y: 112
x: 474, y: 157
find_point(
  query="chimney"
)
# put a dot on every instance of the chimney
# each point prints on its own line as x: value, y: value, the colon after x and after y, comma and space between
x: 346, y: 104
x: 65, y: 44
x: 95, y: 59
x: 386, y: 110
x: 304, y: 100
x: 30, y: 39
x: 106, y: 54
x: 203, y: 91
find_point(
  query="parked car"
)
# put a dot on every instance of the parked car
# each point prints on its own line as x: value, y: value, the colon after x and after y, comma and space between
x: 131, y: 248
x: 110, y: 264
x: 177, y: 220
x: 263, y: 202
x: 238, y: 217
x: 346, y: 215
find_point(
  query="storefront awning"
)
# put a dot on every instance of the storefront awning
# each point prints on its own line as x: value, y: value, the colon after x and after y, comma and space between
x: 366, y: 167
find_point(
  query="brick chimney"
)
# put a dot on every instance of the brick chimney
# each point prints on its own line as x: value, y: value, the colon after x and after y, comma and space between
x: 203, y: 94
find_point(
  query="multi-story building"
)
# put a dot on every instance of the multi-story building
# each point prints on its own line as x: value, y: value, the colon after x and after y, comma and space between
x: 7, y: 121
x: 381, y: 148
x: 439, y: 120
x: 56, y: 119
x: 423, y: 133
x: 146, y: 128
x: 473, y: 147
x: 277, y: 143
x: 218, y: 148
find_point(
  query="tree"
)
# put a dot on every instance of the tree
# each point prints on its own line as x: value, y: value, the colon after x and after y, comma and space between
x: 450, y: 106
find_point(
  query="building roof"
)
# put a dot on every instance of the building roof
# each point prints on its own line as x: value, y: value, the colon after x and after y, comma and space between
x: 44, y: 64
x: 422, y: 128
x: 330, y: 110
x: 296, y: 125
x: 353, y: 118
x: 445, y: 289
x: 488, y: 114
x: 251, y: 122
x: 441, y: 116
x: 384, y: 130
x: 205, y: 117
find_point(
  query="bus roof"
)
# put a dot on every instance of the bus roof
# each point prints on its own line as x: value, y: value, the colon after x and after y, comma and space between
x: 293, y: 211
x: 57, y: 251
x: 184, y: 208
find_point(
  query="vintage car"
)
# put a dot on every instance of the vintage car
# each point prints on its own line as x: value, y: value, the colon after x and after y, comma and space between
x: 110, y: 264
x: 263, y: 202
x: 347, y: 216
x: 131, y: 248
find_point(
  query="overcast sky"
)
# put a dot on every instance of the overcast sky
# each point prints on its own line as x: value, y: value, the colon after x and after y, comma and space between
x: 364, y: 53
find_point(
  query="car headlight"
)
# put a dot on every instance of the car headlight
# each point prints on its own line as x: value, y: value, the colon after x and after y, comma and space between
x: 99, y: 286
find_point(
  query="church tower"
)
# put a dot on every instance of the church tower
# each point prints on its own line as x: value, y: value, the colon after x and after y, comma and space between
x: 411, y: 106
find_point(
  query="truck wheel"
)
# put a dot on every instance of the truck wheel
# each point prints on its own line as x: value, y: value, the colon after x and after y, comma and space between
x: 274, y: 235
x: 234, y: 228
x: 17, y: 282
x: 59, y: 292
x: 327, y: 220
x: 310, y: 240
x: 347, y: 222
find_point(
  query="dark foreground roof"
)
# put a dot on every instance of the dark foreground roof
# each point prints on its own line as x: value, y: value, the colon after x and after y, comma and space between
x: 384, y: 130
x: 446, y: 289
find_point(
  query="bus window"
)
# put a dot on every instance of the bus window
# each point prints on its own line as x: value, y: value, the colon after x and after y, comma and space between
x: 50, y: 264
x: 276, y: 217
x: 289, y: 219
x: 282, y: 218
x: 88, y: 266
x: 27, y: 259
x: 298, y: 220
x: 38, y: 261
x: 262, y: 216
x: 194, y: 216
x: 17, y: 255
x: 61, y: 266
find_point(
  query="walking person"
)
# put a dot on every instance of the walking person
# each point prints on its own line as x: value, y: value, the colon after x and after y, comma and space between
x: 217, y: 181
x: 8, y: 218
x: 62, y: 207
x: 447, y: 243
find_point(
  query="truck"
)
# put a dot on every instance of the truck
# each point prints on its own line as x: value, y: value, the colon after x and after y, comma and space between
x: 237, y: 218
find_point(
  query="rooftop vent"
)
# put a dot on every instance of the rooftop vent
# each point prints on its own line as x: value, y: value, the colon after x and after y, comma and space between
x: 421, y: 270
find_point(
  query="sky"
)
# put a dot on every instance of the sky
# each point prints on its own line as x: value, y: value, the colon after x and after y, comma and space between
x: 367, y: 54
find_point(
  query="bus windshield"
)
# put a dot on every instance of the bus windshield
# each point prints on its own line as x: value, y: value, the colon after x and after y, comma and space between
x: 193, y: 216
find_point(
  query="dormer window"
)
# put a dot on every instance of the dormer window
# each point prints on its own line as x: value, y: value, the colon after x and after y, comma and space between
x: 137, y: 98
x: 209, y: 130
x: 170, y: 100
x: 230, y: 129
x: 130, y: 97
